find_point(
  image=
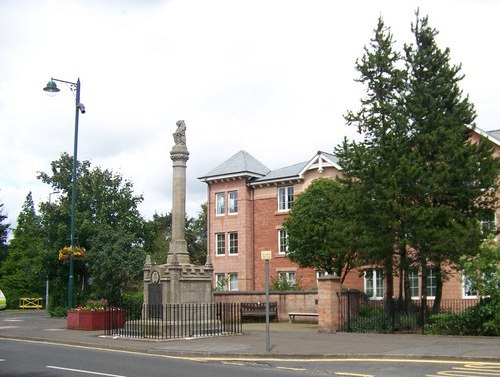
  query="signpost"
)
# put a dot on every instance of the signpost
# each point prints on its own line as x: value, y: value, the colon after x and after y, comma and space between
x: 266, y: 255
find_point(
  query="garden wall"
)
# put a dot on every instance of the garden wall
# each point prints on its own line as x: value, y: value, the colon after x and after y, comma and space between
x: 288, y: 301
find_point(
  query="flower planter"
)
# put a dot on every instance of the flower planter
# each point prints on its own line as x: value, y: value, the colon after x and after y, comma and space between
x: 95, y: 320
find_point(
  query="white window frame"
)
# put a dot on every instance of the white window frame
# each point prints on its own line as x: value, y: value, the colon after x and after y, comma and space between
x: 220, y: 281
x: 289, y: 276
x: 375, y: 283
x: 490, y: 225
x: 282, y: 242
x: 467, y: 291
x: 320, y: 274
x: 431, y: 282
x: 285, y: 198
x: 414, y: 280
x: 232, y: 198
x: 232, y: 241
x: 232, y: 281
x: 220, y: 244
x: 220, y: 203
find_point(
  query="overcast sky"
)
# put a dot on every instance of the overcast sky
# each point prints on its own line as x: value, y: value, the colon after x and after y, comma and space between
x: 271, y: 77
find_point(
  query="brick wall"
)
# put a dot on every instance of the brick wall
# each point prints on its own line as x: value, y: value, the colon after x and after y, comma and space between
x: 288, y: 301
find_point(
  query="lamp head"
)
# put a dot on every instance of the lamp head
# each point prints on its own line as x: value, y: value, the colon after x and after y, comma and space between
x: 51, y: 87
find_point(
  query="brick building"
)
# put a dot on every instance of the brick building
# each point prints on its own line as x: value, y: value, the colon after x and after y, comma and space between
x: 247, y: 203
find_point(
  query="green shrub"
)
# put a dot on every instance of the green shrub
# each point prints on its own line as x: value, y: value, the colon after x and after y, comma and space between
x: 282, y: 284
x: 482, y: 319
x: 57, y: 311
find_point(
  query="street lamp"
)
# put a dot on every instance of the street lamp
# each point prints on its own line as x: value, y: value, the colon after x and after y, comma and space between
x: 51, y: 87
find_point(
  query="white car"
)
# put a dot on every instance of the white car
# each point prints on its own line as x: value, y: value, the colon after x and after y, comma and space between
x: 3, y: 301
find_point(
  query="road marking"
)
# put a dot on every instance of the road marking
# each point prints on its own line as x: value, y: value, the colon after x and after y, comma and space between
x: 233, y: 363
x: 353, y: 374
x: 85, y: 371
x: 470, y: 370
x: 340, y: 359
x: 290, y: 368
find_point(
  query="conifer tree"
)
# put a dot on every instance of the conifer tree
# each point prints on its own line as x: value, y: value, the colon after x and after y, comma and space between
x: 456, y: 179
x: 22, y: 272
x: 378, y: 165
x: 4, y: 232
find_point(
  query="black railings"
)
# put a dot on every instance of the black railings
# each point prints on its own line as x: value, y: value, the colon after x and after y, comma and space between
x: 359, y: 314
x: 173, y: 320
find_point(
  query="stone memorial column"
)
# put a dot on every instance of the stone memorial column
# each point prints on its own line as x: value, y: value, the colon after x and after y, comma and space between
x: 178, y: 253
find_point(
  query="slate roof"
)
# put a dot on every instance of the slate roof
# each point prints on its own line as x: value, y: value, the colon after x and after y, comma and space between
x: 295, y: 171
x: 495, y: 134
x: 241, y: 164
x: 244, y: 164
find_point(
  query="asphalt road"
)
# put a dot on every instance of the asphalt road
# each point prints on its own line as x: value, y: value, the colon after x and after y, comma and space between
x: 28, y: 358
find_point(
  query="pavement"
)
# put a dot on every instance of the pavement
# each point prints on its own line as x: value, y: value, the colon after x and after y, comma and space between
x: 287, y: 341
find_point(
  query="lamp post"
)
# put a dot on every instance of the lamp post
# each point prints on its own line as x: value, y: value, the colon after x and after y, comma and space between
x: 51, y: 87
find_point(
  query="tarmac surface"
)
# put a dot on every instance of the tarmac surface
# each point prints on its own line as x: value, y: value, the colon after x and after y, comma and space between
x: 287, y: 341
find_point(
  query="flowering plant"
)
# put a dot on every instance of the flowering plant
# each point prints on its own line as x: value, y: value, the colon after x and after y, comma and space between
x: 93, y: 305
x: 78, y: 252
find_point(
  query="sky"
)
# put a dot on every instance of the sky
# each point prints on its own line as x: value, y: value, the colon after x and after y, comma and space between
x: 271, y: 77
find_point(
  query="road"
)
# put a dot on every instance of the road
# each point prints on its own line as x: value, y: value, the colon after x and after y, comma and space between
x: 27, y: 358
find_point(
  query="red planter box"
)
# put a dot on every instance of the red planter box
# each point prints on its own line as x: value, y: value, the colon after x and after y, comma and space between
x: 95, y: 320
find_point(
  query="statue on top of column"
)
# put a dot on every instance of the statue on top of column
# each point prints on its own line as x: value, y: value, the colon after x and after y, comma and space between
x: 180, y: 133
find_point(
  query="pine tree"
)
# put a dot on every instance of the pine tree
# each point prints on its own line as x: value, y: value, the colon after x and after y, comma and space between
x: 4, y: 233
x: 456, y: 179
x: 378, y: 166
x: 23, y: 274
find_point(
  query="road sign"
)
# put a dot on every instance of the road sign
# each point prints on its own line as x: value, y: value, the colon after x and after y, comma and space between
x: 265, y: 254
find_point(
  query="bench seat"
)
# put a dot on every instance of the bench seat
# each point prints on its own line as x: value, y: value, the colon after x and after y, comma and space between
x: 292, y: 315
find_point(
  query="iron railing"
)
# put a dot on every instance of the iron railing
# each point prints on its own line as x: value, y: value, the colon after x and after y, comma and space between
x: 173, y: 320
x: 358, y: 314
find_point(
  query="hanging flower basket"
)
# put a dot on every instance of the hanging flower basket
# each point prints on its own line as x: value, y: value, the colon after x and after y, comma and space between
x: 78, y: 252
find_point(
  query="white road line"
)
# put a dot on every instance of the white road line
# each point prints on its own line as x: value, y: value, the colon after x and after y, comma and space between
x: 85, y: 371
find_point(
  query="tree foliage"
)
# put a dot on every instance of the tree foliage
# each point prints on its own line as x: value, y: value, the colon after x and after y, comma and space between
x: 423, y: 185
x: 105, y: 208
x: 320, y: 230
x: 22, y: 272
x: 4, y: 233
x: 158, y: 233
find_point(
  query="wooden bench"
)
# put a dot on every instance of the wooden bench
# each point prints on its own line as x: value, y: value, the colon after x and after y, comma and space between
x: 292, y: 315
x: 258, y: 310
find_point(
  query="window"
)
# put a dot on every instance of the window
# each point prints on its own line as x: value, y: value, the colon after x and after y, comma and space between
x: 233, y: 282
x: 467, y: 287
x: 431, y: 282
x: 220, y: 205
x: 288, y: 276
x: 220, y: 247
x: 320, y: 274
x: 220, y: 282
x: 233, y: 243
x: 488, y: 224
x: 233, y: 201
x: 413, y: 280
x: 285, y: 198
x: 374, y: 283
x: 282, y: 241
